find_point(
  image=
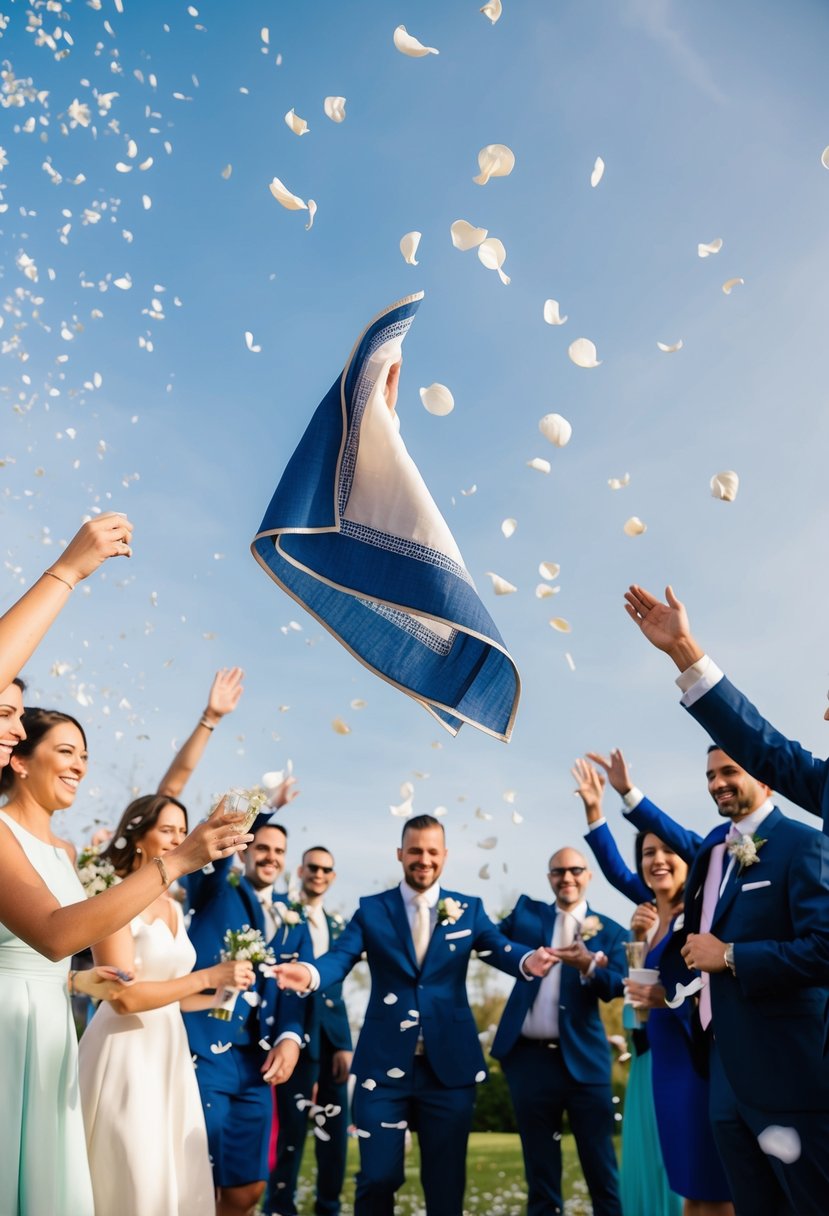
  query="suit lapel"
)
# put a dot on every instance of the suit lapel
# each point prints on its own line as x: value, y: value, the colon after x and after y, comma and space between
x: 698, y: 875
x: 252, y: 905
x: 396, y: 909
x: 548, y: 924
x: 735, y: 880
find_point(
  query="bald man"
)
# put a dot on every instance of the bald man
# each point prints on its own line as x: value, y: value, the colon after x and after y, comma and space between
x: 551, y: 1042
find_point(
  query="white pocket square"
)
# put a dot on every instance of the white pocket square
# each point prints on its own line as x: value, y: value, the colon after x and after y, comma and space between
x: 459, y: 933
x: 752, y: 886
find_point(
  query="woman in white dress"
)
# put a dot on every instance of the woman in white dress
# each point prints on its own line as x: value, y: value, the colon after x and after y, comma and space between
x: 136, y: 1073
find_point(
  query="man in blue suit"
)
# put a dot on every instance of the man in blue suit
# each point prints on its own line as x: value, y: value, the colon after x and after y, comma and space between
x: 552, y: 1044
x: 237, y: 1061
x: 323, y: 1067
x: 418, y: 1058
x: 757, y: 924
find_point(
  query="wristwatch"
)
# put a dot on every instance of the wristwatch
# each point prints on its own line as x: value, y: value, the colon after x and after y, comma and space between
x: 729, y: 958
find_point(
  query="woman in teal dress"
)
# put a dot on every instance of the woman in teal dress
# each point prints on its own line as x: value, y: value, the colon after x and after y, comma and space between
x: 643, y: 1181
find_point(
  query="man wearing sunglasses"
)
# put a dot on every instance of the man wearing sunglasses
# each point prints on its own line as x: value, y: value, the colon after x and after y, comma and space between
x: 552, y: 1044
x: 324, y: 1064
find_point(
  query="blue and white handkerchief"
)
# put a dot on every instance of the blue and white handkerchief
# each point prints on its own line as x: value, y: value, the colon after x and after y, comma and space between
x: 354, y: 536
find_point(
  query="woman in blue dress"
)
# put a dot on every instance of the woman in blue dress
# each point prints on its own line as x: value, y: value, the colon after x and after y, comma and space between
x: 680, y: 1086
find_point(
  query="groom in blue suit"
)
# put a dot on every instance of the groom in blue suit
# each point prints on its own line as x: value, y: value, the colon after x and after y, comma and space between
x: 552, y: 1045
x: 237, y: 1061
x: 418, y: 1058
x: 757, y: 924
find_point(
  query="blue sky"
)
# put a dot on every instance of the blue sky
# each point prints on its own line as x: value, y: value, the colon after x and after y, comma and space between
x: 711, y: 120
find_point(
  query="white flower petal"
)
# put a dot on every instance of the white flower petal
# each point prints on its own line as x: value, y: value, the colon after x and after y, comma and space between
x: 438, y: 400
x: 508, y: 527
x: 312, y: 211
x: 492, y: 253
x: 729, y: 285
x: 549, y: 569
x: 489, y: 842
x: 465, y: 235
x: 369, y: 1084
x: 298, y: 125
x: 398, y: 1127
x: 468, y: 493
x: 500, y: 585
x: 552, y: 314
x: 569, y: 659
x: 219, y: 1048
x: 560, y: 625
x: 495, y: 160
x: 484, y: 872
x: 249, y: 343
x: 407, y: 44
x: 481, y: 1076
x: 493, y: 10
x: 284, y: 197
x: 340, y: 728
x: 598, y: 172
x: 226, y: 172
x: 395, y: 1072
x: 706, y: 251
x: 408, y: 247
x: 358, y: 703
x: 517, y: 817
x: 619, y: 483
x: 334, y: 108
x: 583, y: 353
x: 725, y: 485
x: 543, y: 591
x: 780, y: 1142
x: 390, y: 999
x: 555, y: 428
x: 669, y: 349
x: 634, y: 526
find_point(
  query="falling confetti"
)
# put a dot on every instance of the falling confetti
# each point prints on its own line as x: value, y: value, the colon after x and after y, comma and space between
x: 598, y: 172
x: 634, y: 526
x: 437, y: 399
x: 500, y: 585
x: 408, y: 247
x: 334, y: 108
x: 582, y: 352
x: 551, y: 313
x: 729, y: 285
x: 725, y: 486
x: 465, y: 235
x: 495, y: 160
x: 557, y: 429
x: 707, y: 251
x: 407, y: 44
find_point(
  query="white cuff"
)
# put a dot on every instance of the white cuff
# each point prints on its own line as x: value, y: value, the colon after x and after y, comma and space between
x: 587, y: 975
x: 597, y: 823
x: 698, y: 679
x: 289, y: 1034
x: 632, y: 798
x: 314, y: 981
x: 527, y: 974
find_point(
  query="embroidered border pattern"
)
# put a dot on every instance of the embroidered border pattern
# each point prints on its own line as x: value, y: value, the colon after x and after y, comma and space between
x: 421, y: 632
x: 406, y: 548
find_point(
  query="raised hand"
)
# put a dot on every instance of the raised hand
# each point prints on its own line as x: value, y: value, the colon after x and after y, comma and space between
x: 665, y: 626
x: 283, y: 794
x: 589, y: 787
x: 225, y: 692
x: 107, y: 535
x: 616, y: 769
x: 218, y: 836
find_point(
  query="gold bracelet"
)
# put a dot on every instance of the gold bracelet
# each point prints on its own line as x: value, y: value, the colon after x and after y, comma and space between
x: 51, y: 574
x: 70, y: 983
x: 162, y: 869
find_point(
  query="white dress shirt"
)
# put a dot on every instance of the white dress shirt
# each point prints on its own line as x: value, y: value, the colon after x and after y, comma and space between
x: 542, y: 1020
x: 318, y: 928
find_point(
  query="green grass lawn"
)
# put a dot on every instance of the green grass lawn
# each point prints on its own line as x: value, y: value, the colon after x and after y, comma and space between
x: 495, y: 1179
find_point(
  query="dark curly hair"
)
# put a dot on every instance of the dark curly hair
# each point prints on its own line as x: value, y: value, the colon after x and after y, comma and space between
x: 638, y: 847
x: 37, y: 723
x: 139, y: 818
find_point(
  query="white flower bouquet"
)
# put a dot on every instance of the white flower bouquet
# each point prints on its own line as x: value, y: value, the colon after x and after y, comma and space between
x: 241, y: 945
x: 96, y: 874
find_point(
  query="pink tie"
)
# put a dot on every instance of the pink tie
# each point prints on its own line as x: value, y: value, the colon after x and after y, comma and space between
x: 710, y: 895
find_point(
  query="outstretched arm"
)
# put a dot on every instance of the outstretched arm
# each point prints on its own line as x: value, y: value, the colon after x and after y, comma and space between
x: 222, y: 699
x: 589, y: 786
x: 23, y: 627
x: 665, y: 626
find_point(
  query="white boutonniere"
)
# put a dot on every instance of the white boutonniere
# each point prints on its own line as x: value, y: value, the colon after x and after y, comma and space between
x: 449, y: 911
x: 290, y: 915
x: 745, y: 851
x: 590, y: 927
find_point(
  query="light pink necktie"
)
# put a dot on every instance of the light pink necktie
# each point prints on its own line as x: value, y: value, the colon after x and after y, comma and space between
x: 710, y: 895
